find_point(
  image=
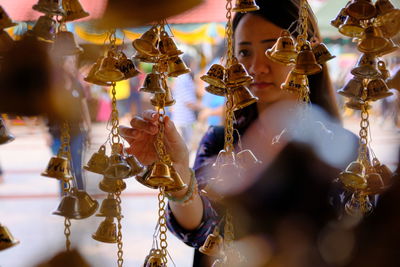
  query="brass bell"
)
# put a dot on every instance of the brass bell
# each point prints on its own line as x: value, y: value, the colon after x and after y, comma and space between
x: 109, y: 208
x: 107, y: 231
x: 351, y: 27
x: 372, y: 40
x: 6, y: 238
x: 144, y: 176
x: 49, y: 7
x: 246, y: 159
x: 6, y: 42
x: 167, y: 45
x: 213, y: 246
x: 178, y: 184
x: 147, y: 43
x: 111, y: 185
x: 353, y: 176
x: 385, y: 73
x: 65, y: 44
x: 87, y: 206
x: 366, y: 67
x: 155, y: 259
x: 45, y: 28
x: 237, y: 75
x: 245, y: 6
x: 242, y: 97
x: 144, y: 58
x: 358, y: 205
x: 215, y: 90
x: 117, y: 168
x: 388, y: 17
x: 296, y: 83
x: 389, y: 48
x: 353, y: 89
x: 306, y: 63
x: 177, y: 67
x: 152, y: 84
x: 134, y: 163
x: 383, y: 170
x: 224, y: 157
x: 284, y: 52
x: 58, y: 168
x: 68, y: 208
x: 126, y: 66
x: 361, y: 9
x: 215, y: 76
x: 356, y: 104
x: 5, y: 21
x: 340, y: 18
x: 91, y: 77
x: 98, y: 162
x: 66, y: 258
x: 322, y: 53
x: 160, y: 175
x: 73, y: 10
x: 108, y: 71
x: 5, y: 135
x: 377, y: 89
x: 374, y: 183
x: 163, y: 100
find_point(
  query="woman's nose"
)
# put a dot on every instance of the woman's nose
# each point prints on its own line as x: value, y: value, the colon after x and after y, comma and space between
x: 260, y: 64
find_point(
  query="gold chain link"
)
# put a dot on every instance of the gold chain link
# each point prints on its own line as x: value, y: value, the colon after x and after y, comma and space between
x: 120, y: 252
x: 162, y: 221
x: 67, y: 233
x: 303, y: 20
x: 363, y: 134
x: 229, y: 32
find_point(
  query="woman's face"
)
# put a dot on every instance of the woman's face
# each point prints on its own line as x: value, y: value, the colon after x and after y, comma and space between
x: 253, y: 36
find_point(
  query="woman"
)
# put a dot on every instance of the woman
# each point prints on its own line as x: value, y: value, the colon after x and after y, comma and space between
x: 191, y: 216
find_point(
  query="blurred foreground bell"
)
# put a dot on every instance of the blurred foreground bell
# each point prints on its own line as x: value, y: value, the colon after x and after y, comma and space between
x: 68, y: 208
x: 134, y: 163
x: 117, y: 168
x: 385, y: 74
x: 66, y: 259
x: 73, y: 10
x: 160, y: 175
x: 92, y: 78
x: 152, y: 84
x: 340, y: 18
x: 177, y: 67
x: 353, y: 176
x: 245, y: 6
x: 106, y: 232
x: 372, y: 40
x: 213, y: 246
x: 295, y: 83
x: 284, y: 52
x: 353, y: 88
x: 109, y: 208
x: 242, y: 97
x: 224, y: 157
x: 49, y: 7
x: 237, y: 75
x: 147, y: 43
x: 322, y: 53
x: 45, y: 29
x: 87, y: 206
x: 356, y: 104
x: 366, y: 67
x: 375, y: 183
x: 246, y: 159
x: 6, y: 42
x: 5, y: 21
x: 98, y: 162
x: 167, y: 45
x: 58, y: 168
x: 215, y: 90
x: 377, y: 89
x: 178, y: 184
x: 306, y: 63
x: 388, y: 17
x: 389, y: 48
x: 65, y: 44
x: 111, y: 185
x: 359, y: 205
x: 6, y: 238
x: 215, y: 76
x: 361, y: 9
x: 5, y: 135
x: 126, y: 66
x: 383, y: 170
x: 351, y: 27
x: 108, y: 71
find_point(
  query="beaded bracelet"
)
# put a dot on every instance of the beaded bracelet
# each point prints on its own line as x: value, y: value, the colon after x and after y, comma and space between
x: 190, y: 193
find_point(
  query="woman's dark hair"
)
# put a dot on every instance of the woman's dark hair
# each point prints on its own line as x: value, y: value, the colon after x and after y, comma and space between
x: 283, y: 13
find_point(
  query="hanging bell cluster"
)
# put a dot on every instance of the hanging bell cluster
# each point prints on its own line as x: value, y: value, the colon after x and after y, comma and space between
x: 77, y: 204
x: 6, y: 238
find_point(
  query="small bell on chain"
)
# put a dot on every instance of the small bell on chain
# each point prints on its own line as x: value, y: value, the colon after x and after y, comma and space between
x: 284, y: 51
x: 366, y: 67
x: 109, y: 208
x: 351, y: 27
x: 107, y: 231
x: 49, y: 7
x: 145, y: 58
x: 353, y: 88
x: 45, y: 29
x: 167, y: 45
x: 6, y: 238
x: 5, y: 135
x: 388, y: 17
x: 354, y: 176
x: 177, y: 67
x: 385, y: 74
x: 155, y: 259
x: 68, y: 207
x: 359, y: 205
x: 377, y: 89
x: 144, y: 176
x: 111, y: 185
x: 164, y: 99
x: 242, y: 97
x: 215, y: 76
x: 236, y: 75
x: 245, y: 6
x: 215, y: 90
x: 340, y: 18
x: 213, y: 246
x: 73, y: 10
x: 5, y: 21
x: 65, y: 43
x: 361, y: 9
x: 126, y: 66
x: 148, y: 42
x: 356, y: 104
x: 108, y: 71
x: 87, y: 206
x: 152, y: 84
x: 160, y: 175
x: 306, y: 63
x: 385, y: 173
x: 375, y: 183
x: 296, y: 83
x: 134, y: 163
x: 91, y: 77
x: 322, y: 53
x: 58, y: 168
x: 178, y: 184
x: 117, y: 168
x: 98, y: 162
x: 389, y: 48
x: 372, y: 40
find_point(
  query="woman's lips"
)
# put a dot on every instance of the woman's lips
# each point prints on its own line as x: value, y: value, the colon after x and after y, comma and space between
x: 261, y: 85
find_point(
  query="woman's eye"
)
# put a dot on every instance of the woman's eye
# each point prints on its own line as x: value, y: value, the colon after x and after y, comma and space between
x: 244, y: 53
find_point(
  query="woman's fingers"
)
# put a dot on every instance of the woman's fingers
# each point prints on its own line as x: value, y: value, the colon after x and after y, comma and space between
x: 139, y: 123
x: 150, y: 115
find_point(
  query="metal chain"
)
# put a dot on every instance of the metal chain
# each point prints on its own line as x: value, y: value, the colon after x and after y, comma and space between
x: 67, y: 233
x: 162, y: 221
x: 303, y: 16
x: 229, y: 234
x: 229, y: 32
x: 363, y: 134
x: 114, y: 133
x: 120, y: 252
x: 229, y: 117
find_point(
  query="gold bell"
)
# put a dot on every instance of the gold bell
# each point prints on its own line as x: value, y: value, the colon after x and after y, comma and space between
x: 45, y: 28
x: 98, y: 162
x: 246, y: 159
x: 68, y: 208
x: 224, y: 157
x: 383, y: 170
x: 351, y: 27
x: 108, y: 71
x: 356, y: 104
x: 284, y: 52
x: 5, y: 135
x: 147, y: 43
x: 167, y: 45
x: 91, y: 77
x: 215, y: 76
x: 178, y: 182
x: 160, y: 175
x: 65, y: 44
x: 306, y: 63
x: 213, y: 246
x: 237, y: 75
x: 322, y: 53
x: 6, y: 42
x: 374, y: 183
x: 353, y: 89
x: 389, y: 48
x: 361, y: 9
x: 5, y: 21
x: 388, y: 17
x: 73, y: 10
x: 87, y: 206
x: 144, y: 176
x: 109, y: 208
x: 144, y: 58
x: 126, y: 66
x: 117, y: 168
x: 358, y: 205
x: 107, y: 231
x: 111, y: 185
x: 377, y: 89
x: 176, y: 67
x: 366, y: 67
x: 58, y: 168
x: 215, y: 90
x: 372, y: 40
x: 152, y: 84
x: 6, y: 238
x: 134, y: 163
x: 385, y: 73
x: 296, y: 83
x: 49, y: 7
x: 340, y: 18
x: 245, y: 6
x: 353, y: 176
x: 242, y: 97
x: 164, y: 99
x: 155, y: 259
